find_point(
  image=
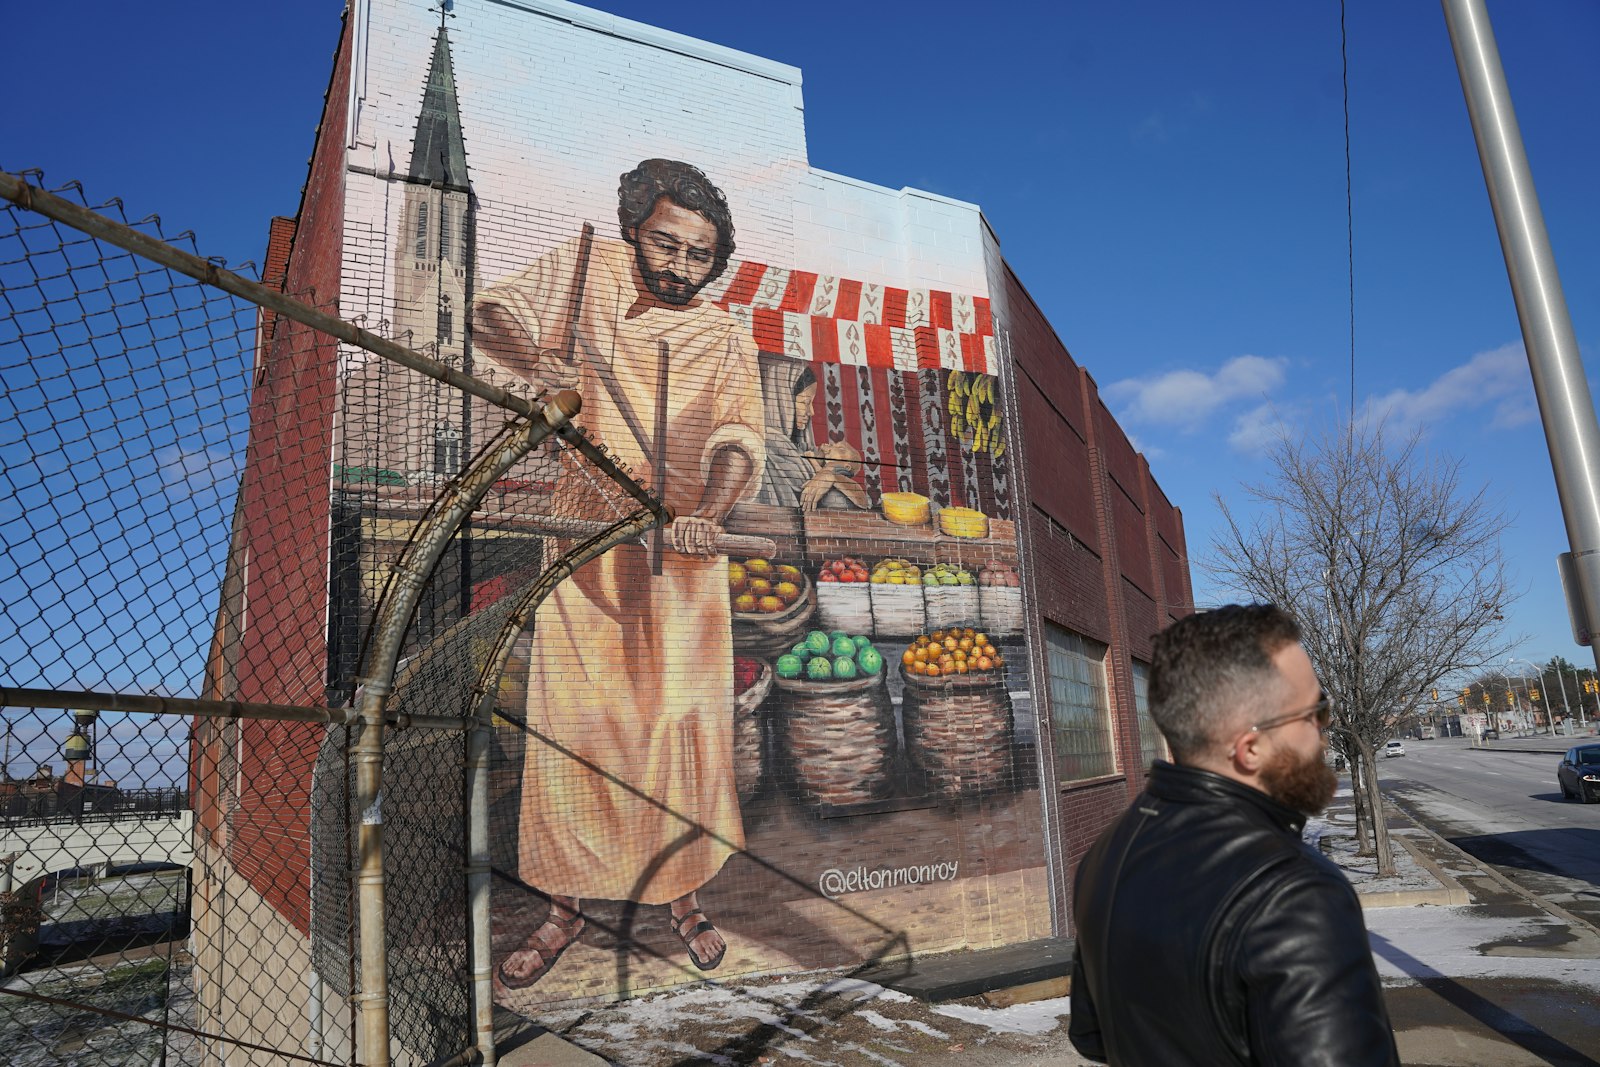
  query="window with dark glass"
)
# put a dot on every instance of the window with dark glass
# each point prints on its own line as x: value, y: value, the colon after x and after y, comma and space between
x: 1080, y: 714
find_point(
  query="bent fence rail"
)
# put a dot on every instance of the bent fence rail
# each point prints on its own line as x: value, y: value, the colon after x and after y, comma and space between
x: 243, y: 571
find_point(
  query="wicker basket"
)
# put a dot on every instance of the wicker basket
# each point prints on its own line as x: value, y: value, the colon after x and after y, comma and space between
x: 845, y: 606
x: 749, y: 734
x: 958, y: 731
x: 770, y: 636
x: 1000, y: 608
x: 951, y: 605
x: 898, y: 610
x: 839, y: 737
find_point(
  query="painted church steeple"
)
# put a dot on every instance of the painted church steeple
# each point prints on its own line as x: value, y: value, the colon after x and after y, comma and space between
x: 438, y: 152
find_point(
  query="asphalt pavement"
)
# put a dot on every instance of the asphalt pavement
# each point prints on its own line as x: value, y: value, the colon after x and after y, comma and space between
x: 1500, y: 802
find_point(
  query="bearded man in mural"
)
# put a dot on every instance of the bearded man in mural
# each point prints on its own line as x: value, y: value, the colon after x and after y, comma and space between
x: 628, y: 789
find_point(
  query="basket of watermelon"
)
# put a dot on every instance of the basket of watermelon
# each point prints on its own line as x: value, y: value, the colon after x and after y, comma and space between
x: 837, y: 718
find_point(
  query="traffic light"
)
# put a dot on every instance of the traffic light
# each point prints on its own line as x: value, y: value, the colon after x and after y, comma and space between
x: 1533, y: 694
x: 1511, y: 700
x: 1486, y: 697
x: 1461, y: 698
x: 1436, y: 696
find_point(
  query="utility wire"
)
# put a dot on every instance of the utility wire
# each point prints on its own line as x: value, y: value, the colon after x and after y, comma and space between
x: 1349, y: 224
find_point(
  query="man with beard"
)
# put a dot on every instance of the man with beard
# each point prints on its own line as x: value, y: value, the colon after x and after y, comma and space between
x: 628, y: 789
x: 1207, y: 931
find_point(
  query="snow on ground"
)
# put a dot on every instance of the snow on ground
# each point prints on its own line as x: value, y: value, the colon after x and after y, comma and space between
x: 1040, y: 1017
x: 1410, y: 944
x: 1334, y: 834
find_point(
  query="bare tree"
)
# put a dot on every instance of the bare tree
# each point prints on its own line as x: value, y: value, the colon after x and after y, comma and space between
x: 1393, y: 570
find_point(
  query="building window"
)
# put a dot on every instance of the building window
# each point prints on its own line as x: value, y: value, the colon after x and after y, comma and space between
x: 1080, y: 715
x: 444, y: 233
x: 447, y: 320
x: 422, y: 230
x: 1152, y: 746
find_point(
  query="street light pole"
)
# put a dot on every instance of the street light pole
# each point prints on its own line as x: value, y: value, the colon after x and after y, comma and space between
x: 1566, y: 701
x: 1565, y: 406
x: 1549, y: 719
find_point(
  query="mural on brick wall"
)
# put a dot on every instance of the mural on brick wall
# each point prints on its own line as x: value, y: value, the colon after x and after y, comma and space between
x: 791, y: 729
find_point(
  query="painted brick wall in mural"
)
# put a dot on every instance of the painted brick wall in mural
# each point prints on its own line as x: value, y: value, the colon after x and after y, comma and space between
x: 793, y: 728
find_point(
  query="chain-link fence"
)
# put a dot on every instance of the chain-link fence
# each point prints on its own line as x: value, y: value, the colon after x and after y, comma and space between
x: 263, y: 573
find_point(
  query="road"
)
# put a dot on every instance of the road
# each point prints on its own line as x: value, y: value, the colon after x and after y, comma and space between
x: 1503, y: 806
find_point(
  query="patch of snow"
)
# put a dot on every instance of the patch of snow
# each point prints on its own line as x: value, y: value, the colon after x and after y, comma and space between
x: 1410, y: 944
x: 1039, y: 1017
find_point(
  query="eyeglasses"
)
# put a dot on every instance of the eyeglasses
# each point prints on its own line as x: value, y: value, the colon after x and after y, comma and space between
x: 1322, y: 711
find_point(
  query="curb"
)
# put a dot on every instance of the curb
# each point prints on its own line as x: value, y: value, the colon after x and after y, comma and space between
x: 1449, y: 894
x: 1495, y: 876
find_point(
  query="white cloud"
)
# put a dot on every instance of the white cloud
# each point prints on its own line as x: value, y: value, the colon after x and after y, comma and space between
x: 197, y: 472
x: 1497, y: 379
x: 1258, y: 428
x: 1148, y: 451
x: 1185, y: 398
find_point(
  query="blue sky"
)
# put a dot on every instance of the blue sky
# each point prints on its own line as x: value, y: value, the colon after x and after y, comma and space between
x: 1167, y: 179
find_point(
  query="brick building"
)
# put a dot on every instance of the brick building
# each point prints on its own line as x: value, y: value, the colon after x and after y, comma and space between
x: 882, y: 387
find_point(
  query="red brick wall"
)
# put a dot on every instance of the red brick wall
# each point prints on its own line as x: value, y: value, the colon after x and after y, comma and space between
x: 284, y: 516
x: 1104, y: 550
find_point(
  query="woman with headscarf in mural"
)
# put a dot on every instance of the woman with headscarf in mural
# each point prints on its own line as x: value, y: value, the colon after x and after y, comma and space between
x: 798, y: 473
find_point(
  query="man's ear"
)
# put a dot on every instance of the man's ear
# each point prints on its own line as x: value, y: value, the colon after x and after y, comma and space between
x: 1248, y: 753
x: 630, y: 234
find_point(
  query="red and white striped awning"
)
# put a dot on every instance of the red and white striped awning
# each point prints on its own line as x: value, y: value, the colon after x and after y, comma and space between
x: 836, y: 320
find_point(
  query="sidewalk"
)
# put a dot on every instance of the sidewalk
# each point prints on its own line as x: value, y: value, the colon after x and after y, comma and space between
x: 1477, y: 973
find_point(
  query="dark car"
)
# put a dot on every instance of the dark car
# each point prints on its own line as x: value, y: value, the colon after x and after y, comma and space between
x: 1579, y: 773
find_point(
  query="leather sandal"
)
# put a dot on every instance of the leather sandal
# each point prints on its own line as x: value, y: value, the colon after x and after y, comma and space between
x: 572, y: 927
x: 688, y: 936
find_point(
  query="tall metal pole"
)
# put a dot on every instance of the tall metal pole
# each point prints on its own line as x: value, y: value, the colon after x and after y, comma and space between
x: 1564, y: 402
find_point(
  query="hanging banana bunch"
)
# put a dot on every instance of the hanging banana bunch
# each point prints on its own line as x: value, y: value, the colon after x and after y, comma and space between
x: 955, y: 388
x: 974, y: 410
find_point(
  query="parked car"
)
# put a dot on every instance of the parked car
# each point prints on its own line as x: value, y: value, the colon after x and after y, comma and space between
x: 1579, y: 773
x: 1491, y: 734
x: 1394, y: 748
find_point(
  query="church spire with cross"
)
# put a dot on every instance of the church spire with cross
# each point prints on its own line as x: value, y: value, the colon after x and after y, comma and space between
x: 438, y: 152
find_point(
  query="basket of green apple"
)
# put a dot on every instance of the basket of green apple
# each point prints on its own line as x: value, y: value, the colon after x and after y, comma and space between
x: 837, y: 718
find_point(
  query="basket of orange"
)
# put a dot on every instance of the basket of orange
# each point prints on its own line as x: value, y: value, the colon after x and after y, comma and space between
x: 956, y: 711
x: 772, y: 604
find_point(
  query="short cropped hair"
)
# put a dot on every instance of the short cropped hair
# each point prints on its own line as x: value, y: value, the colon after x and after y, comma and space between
x: 1210, y: 669
x: 687, y: 186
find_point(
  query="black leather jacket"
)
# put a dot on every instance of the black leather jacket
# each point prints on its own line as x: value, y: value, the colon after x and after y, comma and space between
x: 1209, y: 934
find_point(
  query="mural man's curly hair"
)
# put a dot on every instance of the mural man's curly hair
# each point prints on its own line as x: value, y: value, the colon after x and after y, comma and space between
x: 686, y: 186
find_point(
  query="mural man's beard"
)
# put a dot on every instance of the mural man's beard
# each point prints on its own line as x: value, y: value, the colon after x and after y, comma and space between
x: 1304, y: 783
x: 668, y: 287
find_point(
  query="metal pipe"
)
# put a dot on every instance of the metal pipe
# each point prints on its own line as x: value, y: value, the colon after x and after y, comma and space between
x: 1565, y: 405
x: 477, y: 866
x: 126, y: 237
x: 212, y: 709
x: 410, y: 575
x: 477, y: 869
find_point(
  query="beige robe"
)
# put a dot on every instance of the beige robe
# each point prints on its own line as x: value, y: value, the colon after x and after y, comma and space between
x: 633, y: 672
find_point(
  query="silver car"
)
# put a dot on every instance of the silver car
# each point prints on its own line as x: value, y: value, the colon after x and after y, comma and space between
x: 1393, y: 749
